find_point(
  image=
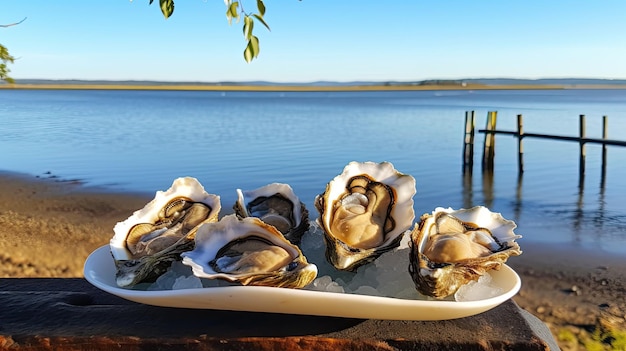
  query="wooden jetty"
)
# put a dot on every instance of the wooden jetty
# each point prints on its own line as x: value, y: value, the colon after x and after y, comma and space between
x: 490, y: 132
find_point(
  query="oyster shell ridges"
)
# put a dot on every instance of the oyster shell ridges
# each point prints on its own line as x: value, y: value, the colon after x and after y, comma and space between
x: 352, y: 195
x: 223, y: 251
x: 269, y: 204
x: 146, y: 243
x: 441, y: 279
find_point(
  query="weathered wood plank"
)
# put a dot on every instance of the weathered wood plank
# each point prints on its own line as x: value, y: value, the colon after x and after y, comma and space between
x: 64, y: 314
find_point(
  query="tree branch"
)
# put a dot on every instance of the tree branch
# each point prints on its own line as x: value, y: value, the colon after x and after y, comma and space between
x: 12, y: 24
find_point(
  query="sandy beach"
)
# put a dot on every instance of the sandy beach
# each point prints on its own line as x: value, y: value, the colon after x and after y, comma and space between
x: 48, y: 227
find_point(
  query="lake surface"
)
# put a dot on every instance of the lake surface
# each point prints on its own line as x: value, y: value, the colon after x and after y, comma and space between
x: 140, y: 141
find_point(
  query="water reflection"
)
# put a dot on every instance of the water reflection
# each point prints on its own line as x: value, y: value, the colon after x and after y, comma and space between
x: 468, y: 191
x: 517, y: 205
x: 487, y: 189
x: 488, y: 192
x: 582, y: 222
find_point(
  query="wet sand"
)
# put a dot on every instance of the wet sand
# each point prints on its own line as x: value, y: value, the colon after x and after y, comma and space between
x: 48, y: 227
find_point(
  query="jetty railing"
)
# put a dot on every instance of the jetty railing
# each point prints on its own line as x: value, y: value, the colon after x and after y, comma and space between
x: 490, y: 132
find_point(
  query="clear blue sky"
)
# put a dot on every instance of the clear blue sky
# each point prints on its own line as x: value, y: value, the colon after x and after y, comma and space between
x: 312, y: 40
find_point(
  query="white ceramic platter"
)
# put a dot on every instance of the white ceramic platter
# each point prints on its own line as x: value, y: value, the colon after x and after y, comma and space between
x: 99, y: 270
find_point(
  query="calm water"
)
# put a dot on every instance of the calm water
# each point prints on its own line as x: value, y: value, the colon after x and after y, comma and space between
x: 142, y: 140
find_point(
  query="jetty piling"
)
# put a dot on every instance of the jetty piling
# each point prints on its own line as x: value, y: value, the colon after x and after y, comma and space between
x: 489, y: 151
x: 520, y: 144
x: 468, y: 144
x: 581, y: 164
x: 605, y: 136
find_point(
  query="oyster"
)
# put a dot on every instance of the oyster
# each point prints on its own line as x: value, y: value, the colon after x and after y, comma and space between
x: 250, y: 252
x: 275, y: 204
x: 450, y: 248
x: 364, y: 212
x: 145, y: 244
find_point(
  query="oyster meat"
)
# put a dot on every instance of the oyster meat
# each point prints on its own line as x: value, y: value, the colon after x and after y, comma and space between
x: 450, y: 248
x: 278, y: 205
x: 250, y: 252
x: 364, y: 212
x: 145, y: 244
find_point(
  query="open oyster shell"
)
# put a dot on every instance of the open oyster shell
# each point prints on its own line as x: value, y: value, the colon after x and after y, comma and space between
x: 146, y: 243
x: 364, y: 212
x: 278, y: 205
x: 450, y: 248
x: 250, y: 252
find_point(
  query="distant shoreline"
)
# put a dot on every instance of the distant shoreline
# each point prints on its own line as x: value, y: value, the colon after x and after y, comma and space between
x: 304, y: 88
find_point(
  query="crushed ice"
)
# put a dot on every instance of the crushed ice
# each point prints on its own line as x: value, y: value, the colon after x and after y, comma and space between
x: 386, y: 276
x: 478, y: 290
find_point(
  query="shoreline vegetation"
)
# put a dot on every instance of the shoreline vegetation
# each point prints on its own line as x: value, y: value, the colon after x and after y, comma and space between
x: 494, y: 84
x: 579, y: 293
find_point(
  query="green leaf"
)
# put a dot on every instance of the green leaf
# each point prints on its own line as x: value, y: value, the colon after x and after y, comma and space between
x: 248, y: 25
x: 233, y: 9
x: 5, y: 57
x: 252, y: 49
x: 261, y: 6
x: 167, y: 7
x: 260, y: 19
x: 232, y: 12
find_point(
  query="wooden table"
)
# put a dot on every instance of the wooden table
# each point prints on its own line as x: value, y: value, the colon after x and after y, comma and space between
x: 71, y: 314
